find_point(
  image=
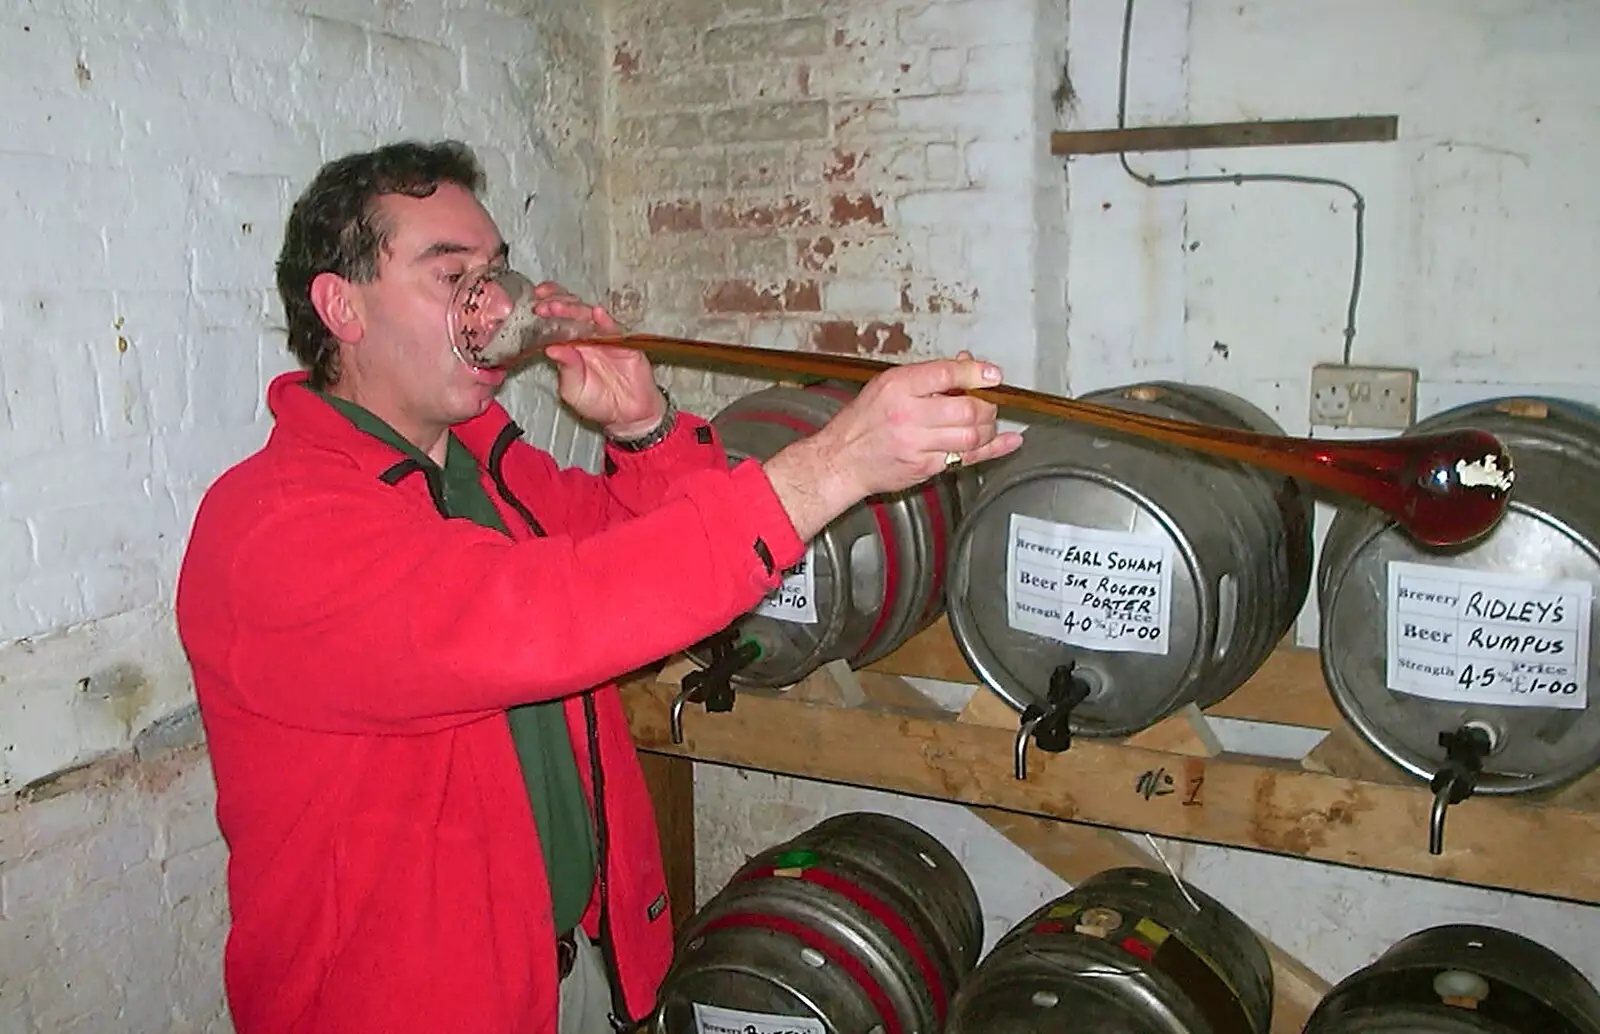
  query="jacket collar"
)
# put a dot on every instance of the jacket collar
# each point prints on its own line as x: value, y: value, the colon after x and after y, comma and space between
x: 299, y: 413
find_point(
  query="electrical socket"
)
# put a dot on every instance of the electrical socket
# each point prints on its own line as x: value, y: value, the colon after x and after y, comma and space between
x: 1363, y: 396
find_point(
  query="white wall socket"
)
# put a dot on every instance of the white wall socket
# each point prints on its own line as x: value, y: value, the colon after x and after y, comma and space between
x: 1363, y: 396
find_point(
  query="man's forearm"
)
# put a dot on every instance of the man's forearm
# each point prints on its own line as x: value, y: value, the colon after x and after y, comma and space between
x: 811, y: 487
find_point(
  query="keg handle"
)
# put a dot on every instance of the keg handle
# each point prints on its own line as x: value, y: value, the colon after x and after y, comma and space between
x: 1465, y: 749
x: 713, y: 684
x: 1050, y: 725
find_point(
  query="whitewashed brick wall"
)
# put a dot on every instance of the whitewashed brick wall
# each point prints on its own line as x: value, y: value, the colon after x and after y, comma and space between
x: 149, y: 150
x: 112, y: 912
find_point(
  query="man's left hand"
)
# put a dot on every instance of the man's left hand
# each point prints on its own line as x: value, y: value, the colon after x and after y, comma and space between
x: 610, y: 385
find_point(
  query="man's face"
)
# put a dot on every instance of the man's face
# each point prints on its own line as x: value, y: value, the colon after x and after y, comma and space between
x: 404, y: 368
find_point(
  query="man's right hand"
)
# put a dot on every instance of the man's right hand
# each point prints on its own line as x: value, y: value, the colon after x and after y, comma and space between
x: 897, y: 432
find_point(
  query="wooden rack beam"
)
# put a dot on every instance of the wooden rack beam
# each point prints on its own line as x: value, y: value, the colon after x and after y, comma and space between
x: 1287, y: 690
x: 1264, y: 133
x: 1247, y: 802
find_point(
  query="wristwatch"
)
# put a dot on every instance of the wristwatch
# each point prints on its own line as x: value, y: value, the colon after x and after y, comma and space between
x: 669, y: 420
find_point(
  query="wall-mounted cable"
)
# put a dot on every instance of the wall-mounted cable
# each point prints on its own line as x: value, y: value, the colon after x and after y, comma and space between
x: 1238, y: 179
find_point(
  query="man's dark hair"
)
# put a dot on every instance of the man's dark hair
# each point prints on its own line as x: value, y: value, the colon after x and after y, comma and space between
x: 336, y: 227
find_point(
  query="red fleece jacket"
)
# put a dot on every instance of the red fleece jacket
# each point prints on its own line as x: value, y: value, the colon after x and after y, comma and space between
x: 354, y: 653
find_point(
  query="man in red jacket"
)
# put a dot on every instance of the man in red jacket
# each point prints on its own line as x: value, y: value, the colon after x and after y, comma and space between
x: 404, y: 622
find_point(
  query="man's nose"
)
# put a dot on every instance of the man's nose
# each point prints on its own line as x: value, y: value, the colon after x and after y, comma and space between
x: 495, y: 304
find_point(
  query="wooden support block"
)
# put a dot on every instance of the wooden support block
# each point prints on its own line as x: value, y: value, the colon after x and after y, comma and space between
x: 825, y: 686
x: 987, y: 709
x: 1344, y: 753
x: 675, y: 670
x: 1260, y: 133
x: 836, y: 684
x: 1583, y: 795
x: 1288, y: 689
x: 848, y: 683
x: 932, y: 653
x: 1185, y: 731
x: 894, y: 694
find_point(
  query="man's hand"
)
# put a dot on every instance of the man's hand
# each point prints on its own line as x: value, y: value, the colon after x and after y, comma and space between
x: 612, y: 386
x: 899, y: 431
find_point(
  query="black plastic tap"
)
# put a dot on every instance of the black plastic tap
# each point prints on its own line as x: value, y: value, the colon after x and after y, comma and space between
x: 1465, y: 750
x: 1050, y: 724
x: 712, y: 685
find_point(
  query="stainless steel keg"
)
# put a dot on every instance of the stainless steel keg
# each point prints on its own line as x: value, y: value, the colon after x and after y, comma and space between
x: 1461, y: 979
x: 1150, y: 575
x: 1127, y: 951
x: 871, y: 580
x: 864, y: 922
x: 1471, y: 667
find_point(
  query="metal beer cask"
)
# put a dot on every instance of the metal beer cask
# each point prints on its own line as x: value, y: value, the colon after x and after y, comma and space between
x: 877, y: 571
x: 1235, y: 542
x: 1125, y: 952
x: 1461, y: 979
x: 862, y: 923
x: 1551, y: 531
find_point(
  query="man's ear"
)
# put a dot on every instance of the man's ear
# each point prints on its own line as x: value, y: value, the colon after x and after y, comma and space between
x: 334, y: 299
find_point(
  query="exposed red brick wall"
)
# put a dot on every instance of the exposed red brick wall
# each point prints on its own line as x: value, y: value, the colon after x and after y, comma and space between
x: 747, y: 296
x: 675, y: 216
x: 762, y: 168
x: 852, y: 338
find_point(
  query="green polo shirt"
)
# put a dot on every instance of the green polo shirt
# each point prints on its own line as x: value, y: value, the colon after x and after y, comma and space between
x: 544, y: 746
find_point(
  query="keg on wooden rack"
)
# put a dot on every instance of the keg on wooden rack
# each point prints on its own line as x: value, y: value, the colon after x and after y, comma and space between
x: 872, y: 579
x: 1103, y: 582
x: 1471, y: 667
x: 862, y: 922
x: 1127, y: 951
x: 1461, y: 979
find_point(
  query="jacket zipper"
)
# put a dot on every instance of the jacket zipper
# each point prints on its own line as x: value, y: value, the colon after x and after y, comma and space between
x: 620, y: 1020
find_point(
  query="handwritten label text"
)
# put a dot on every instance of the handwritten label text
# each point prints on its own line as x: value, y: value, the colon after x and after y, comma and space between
x: 1105, y: 590
x: 796, y: 599
x: 1483, y: 637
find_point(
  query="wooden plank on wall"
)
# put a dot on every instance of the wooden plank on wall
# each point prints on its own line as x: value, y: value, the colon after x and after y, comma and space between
x: 1240, y: 802
x: 1356, y: 129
